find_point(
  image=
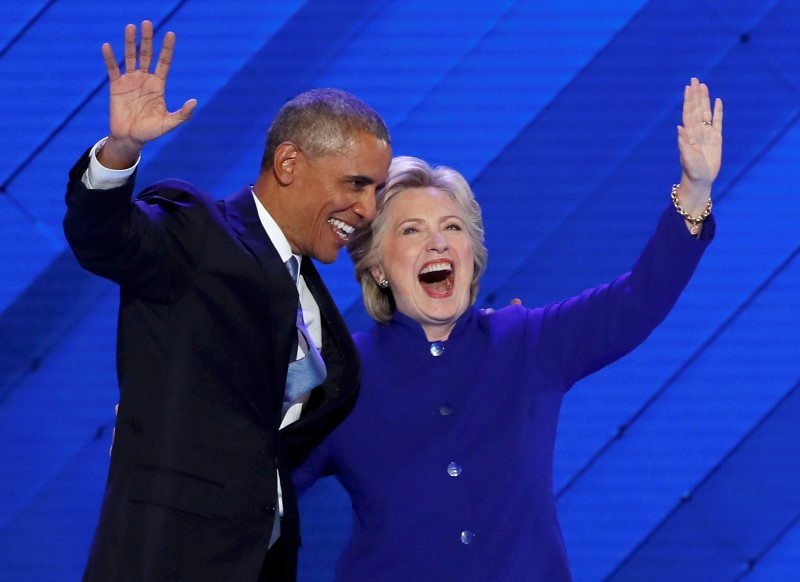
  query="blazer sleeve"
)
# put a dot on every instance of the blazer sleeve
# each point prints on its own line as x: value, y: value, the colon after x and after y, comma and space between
x: 587, y: 332
x: 318, y: 464
x: 149, y: 246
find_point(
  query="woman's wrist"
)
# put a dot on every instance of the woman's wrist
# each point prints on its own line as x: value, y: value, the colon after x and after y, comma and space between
x: 693, y: 217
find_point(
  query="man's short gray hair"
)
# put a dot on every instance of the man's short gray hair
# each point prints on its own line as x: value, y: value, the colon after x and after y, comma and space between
x: 322, y: 122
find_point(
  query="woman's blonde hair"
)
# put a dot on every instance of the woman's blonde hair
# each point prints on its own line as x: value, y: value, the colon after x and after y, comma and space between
x: 365, y: 249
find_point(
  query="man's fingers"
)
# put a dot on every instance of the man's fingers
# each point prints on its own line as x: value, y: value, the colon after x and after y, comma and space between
x: 165, y: 56
x: 130, y: 48
x: 188, y: 108
x: 183, y: 114
x: 146, y: 50
x: 111, y: 62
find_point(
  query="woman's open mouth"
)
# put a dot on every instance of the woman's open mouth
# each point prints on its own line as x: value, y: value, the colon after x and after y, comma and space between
x: 437, y: 278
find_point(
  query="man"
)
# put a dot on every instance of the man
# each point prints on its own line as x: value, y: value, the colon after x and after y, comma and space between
x: 209, y: 327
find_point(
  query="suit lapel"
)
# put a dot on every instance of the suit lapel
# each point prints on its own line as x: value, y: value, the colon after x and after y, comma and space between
x: 338, y: 350
x: 242, y: 216
x: 280, y: 291
x: 332, y: 322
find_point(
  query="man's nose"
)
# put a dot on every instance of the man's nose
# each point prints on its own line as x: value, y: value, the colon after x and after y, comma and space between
x: 365, y: 206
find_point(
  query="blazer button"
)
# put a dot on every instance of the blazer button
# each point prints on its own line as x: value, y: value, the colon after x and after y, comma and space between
x: 454, y: 469
x: 270, y: 509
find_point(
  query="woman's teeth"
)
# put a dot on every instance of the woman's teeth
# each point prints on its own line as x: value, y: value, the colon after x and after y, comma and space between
x: 436, y: 267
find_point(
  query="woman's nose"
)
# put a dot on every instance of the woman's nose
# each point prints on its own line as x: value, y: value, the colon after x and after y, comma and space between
x: 437, y: 242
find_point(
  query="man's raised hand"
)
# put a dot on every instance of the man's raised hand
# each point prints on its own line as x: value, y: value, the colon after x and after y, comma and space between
x: 138, y: 111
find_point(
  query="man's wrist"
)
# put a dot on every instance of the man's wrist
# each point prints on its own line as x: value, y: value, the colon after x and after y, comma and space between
x: 100, y: 177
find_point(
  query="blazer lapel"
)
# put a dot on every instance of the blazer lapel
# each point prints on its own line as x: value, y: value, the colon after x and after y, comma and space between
x: 338, y: 350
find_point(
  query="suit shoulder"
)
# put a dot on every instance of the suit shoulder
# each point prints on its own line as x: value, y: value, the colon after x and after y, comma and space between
x: 174, y: 192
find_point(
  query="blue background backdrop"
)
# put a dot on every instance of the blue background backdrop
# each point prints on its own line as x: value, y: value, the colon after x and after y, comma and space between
x: 678, y: 463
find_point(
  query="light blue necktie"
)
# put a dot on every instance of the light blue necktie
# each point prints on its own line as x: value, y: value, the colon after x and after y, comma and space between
x: 309, y: 371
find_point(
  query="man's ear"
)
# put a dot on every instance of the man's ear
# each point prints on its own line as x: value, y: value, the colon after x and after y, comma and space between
x: 284, y: 162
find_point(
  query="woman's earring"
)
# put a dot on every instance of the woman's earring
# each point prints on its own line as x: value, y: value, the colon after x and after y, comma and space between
x: 383, y: 284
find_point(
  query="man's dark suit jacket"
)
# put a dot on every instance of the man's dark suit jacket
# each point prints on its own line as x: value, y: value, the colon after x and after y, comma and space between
x: 205, y: 334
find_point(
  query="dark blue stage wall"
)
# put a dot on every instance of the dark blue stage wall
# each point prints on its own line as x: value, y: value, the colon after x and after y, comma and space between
x: 678, y: 463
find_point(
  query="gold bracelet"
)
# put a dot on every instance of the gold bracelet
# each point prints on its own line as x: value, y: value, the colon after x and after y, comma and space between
x: 695, y: 221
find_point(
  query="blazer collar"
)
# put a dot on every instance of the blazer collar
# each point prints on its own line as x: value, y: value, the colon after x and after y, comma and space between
x: 242, y: 216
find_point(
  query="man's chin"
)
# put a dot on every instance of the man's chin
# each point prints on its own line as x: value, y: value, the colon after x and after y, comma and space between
x: 327, y: 256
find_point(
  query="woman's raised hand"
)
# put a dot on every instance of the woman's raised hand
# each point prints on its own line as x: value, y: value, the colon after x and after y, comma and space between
x: 700, y: 146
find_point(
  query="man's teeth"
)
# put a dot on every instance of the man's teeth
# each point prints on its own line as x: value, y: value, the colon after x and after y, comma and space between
x: 343, y: 229
x: 436, y: 267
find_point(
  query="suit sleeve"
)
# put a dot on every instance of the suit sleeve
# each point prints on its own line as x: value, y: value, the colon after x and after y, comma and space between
x: 149, y: 246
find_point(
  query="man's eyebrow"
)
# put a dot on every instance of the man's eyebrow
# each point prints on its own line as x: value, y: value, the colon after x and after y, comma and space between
x: 360, y: 179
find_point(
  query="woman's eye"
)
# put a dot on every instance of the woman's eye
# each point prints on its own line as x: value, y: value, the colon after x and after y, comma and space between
x: 409, y: 230
x: 453, y: 227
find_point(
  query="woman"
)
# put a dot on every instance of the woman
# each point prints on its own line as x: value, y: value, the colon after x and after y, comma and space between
x: 448, y: 454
